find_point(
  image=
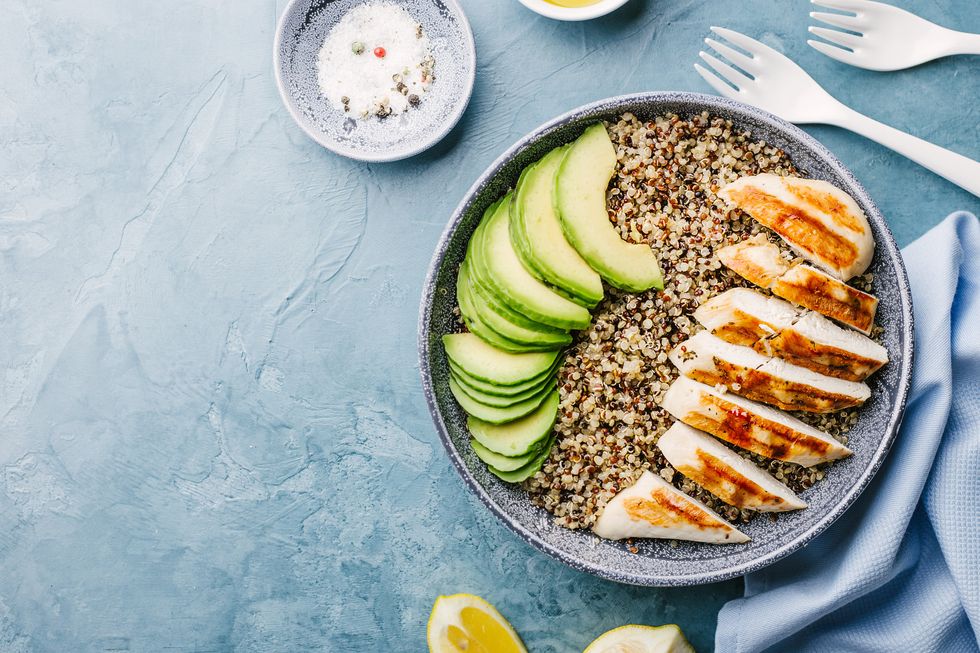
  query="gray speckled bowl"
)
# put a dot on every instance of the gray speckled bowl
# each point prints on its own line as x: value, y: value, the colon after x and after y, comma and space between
x: 659, y: 562
x: 304, y: 25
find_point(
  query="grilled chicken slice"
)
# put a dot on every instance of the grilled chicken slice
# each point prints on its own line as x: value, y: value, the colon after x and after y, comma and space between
x: 759, y: 261
x: 826, y: 295
x: 750, y: 425
x: 755, y: 259
x: 746, y: 372
x: 775, y: 328
x: 818, y: 220
x: 744, y: 317
x: 724, y: 473
x: 652, y: 507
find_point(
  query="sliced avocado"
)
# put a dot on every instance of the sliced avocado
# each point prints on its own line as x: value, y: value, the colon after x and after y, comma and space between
x: 503, y: 271
x: 487, y: 363
x: 536, y: 233
x: 503, y: 463
x: 502, y: 390
x: 494, y: 414
x: 498, y: 401
x: 484, y: 332
x: 518, y: 437
x: 470, y: 302
x: 528, y: 470
x: 580, y: 201
x: 484, y: 291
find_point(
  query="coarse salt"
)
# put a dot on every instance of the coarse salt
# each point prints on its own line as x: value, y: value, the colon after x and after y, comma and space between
x: 375, y: 61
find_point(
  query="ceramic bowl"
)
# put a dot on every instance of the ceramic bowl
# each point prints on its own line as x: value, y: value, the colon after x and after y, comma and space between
x: 302, y: 29
x: 659, y: 562
x: 587, y: 12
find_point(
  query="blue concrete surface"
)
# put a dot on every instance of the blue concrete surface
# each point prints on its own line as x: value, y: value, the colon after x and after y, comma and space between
x: 212, y: 435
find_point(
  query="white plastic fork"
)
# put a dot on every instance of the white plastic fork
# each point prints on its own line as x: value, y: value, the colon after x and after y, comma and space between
x: 777, y: 85
x: 888, y: 38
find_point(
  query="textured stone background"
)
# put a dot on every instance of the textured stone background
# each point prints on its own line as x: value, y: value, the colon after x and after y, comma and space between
x: 212, y: 435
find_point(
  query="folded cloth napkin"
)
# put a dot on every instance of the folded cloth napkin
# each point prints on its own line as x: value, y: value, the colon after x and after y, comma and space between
x: 900, y: 571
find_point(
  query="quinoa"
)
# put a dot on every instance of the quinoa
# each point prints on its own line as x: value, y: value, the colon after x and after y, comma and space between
x: 663, y: 193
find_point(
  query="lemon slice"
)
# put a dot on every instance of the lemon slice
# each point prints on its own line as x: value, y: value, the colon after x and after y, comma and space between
x: 641, y: 639
x: 464, y: 623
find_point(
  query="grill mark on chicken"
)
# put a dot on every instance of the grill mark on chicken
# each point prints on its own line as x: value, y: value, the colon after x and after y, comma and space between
x: 769, y: 389
x: 824, y: 359
x: 714, y: 474
x: 806, y: 231
x: 753, y: 432
x: 828, y: 296
x: 827, y: 203
x: 667, y: 511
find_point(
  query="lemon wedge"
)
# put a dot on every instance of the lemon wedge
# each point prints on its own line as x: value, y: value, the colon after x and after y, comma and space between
x: 464, y: 623
x: 641, y: 639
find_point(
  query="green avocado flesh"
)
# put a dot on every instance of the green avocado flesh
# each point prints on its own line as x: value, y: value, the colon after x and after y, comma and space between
x: 502, y: 390
x: 498, y: 265
x: 499, y: 401
x: 537, y: 236
x: 472, y: 306
x: 520, y: 436
x: 495, y: 414
x: 580, y: 201
x: 487, y: 363
x: 503, y: 463
x: 527, y: 471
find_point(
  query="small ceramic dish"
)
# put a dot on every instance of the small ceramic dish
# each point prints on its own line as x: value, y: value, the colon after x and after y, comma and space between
x: 302, y: 29
x: 588, y: 12
x: 660, y: 562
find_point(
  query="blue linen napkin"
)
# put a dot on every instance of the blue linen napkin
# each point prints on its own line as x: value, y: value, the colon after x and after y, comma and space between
x: 900, y: 571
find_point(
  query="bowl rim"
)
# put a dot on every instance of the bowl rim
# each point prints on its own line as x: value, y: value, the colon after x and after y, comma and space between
x: 889, y: 248
x: 391, y: 154
x: 588, y: 12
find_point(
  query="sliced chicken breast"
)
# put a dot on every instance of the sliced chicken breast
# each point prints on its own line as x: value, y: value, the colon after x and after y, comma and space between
x: 755, y: 259
x: 760, y: 262
x: 774, y: 327
x: 816, y: 343
x: 818, y: 220
x: 750, y: 425
x: 743, y: 316
x: 723, y: 472
x: 652, y: 507
x: 746, y: 372
x: 826, y: 295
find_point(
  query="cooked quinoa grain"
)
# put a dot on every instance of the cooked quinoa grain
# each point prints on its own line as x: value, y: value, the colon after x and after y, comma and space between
x: 616, y: 372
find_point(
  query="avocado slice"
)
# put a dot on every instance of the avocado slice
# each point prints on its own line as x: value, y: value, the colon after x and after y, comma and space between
x: 480, y: 310
x: 528, y: 470
x: 536, y: 233
x: 503, y: 463
x: 498, y: 401
x: 496, y: 414
x: 487, y: 363
x: 503, y: 271
x: 502, y: 390
x: 478, y: 327
x: 520, y: 436
x: 580, y: 201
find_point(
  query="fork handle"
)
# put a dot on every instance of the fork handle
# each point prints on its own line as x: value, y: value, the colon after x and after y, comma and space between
x: 962, y: 43
x: 962, y: 171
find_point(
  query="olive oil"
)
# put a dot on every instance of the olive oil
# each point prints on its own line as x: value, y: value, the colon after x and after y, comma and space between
x: 572, y: 3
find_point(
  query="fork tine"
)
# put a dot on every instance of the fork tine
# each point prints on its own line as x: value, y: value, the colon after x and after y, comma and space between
x: 716, y: 82
x: 839, y: 38
x: 750, y: 45
x: 843, y: 56
x: 745, y: 63
x: 727, y: 72
x: 843, y: 5
x: 842, y: 21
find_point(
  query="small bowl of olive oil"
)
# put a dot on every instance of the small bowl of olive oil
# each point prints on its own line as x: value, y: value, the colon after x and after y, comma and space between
x: 573, y: 9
